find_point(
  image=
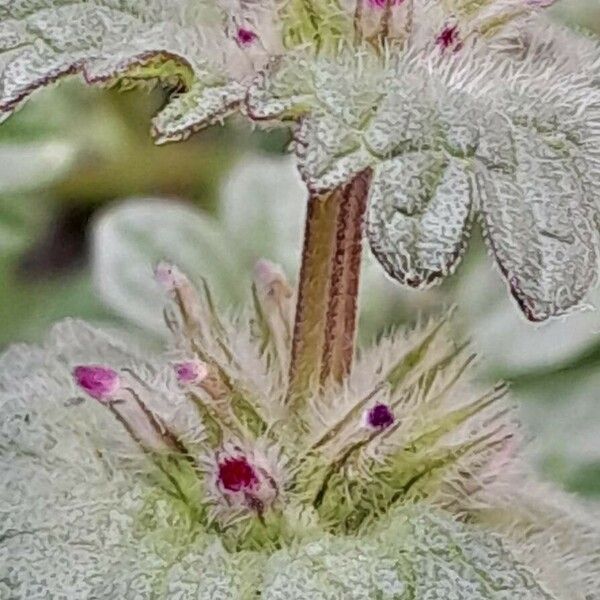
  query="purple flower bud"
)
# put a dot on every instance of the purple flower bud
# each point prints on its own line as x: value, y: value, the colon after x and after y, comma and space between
x: 236, y: 474
x: 99, y: 382
x: 193, y: 371
x: 449, y: 38
x: 380, y: 416
x: 245, y: 37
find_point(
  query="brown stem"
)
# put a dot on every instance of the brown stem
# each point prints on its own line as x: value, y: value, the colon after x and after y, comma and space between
x: 324, y: 329
x: 340, y: 328
x: 311, y: 307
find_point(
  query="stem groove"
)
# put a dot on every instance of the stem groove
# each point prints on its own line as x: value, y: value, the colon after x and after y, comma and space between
x: 325, y: 323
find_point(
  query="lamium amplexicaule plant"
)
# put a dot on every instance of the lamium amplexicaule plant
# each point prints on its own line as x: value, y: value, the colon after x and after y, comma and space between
x: 260, y: 455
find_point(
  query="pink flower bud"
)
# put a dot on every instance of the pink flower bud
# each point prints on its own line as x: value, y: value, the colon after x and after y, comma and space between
x: 270, y: 277
x: 245, y: 37
x: 449, y: 38
x: 168, y: 275
x: 99, y: 382
x: 380, y: 417
x: 266, y: 271
x: 382, y: 4
x: 190, y: 372
x: 236, y: 474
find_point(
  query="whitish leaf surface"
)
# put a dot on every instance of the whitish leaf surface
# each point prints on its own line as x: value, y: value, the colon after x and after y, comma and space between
x: 540, y: 516
x: 447, y: 137
x: 204, y: 104
x: 109, y: 41
x: 97, y: 507
x: 539, y: 223
x: 510, y: 345
x: 422, y: 554
x: 262, y: 206
x: 420, y: 215
x: 28, y: 166
x: 131, y: 238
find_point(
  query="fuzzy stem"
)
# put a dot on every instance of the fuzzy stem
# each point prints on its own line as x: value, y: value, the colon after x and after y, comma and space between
x: 325, y: 324
x: 312, y: 303
x: 340, y: 328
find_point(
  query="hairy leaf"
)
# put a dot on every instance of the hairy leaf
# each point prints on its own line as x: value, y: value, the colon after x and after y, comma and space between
x: 89, y: 510
x: 421, y: 210
x: 447, y: 137
x: 112, y: 41
x: 538, y: 221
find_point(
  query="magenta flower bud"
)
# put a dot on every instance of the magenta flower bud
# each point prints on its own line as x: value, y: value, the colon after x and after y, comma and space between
x: 380, y: 417
x: 236, y: 474
x: 245, y: 37
x: 449, y: 37
x: 189, y: 372
x: 382, y: 4
x: 99, y: 382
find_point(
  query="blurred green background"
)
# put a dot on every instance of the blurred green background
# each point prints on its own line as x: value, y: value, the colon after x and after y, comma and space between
x: 72, y: 151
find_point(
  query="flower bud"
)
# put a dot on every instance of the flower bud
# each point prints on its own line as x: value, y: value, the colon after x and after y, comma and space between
x: 379, y: 417
x: 236, y: 474
x: 388, y: 18
x: 275, y: 296
x: 168, y: 276
x: 270, y: 277
x: 246, y: 479
x: 185, y: 295
x: 99, y: 382
x: 383, y: 4
x: 191, y: 372
x: 449, y: 38
x: 146, y: 428
x: 245, y: 37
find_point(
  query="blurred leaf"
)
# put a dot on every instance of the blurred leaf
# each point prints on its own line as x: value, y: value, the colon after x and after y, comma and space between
x: 44, y: 117
x: 19, y: 220
x: 29, y: 166
x: 579, y: 13
x: 511, y: 345
x: 130, y: 238
x: 262, y: 206
x: 563, y: 413
x: 28, y: 307
x: 27, y: 310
